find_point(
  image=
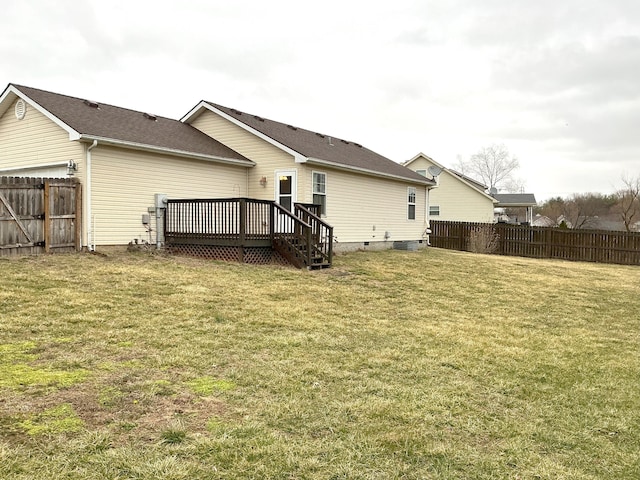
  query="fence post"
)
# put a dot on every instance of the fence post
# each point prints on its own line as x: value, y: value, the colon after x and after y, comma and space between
x: 78, y: 212
x: 47, y: 217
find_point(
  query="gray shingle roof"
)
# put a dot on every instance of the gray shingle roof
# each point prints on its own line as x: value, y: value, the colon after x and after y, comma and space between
x: 323, y: 147
x: 130, y: 126
x: 515, y: 199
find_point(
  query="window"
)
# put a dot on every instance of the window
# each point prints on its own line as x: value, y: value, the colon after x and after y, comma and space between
x: 411, y: 203
x: 422, y: 172
x: 434, y: 210
x: 319, y: 181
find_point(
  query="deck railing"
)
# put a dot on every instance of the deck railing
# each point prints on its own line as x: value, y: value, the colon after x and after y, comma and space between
x: 321, y: 232
x: 301, y: 237
x: 232, y: 221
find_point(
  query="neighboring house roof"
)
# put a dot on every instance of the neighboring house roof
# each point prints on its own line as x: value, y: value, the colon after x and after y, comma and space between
x: 313, y: 147
x: 475, y: 183
x: 543, y: 221
x: 515, y: 199
x: 469, y: 182
x: 88, y: 121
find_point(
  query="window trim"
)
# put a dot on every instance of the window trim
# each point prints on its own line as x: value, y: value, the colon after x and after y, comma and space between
x: 412, y: 194
x: 323, y: 208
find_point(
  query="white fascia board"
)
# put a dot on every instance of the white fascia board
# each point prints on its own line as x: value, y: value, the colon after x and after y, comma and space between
x: 6, y: 99
x: 168, y: 151
x: 298, y: 157
x: 73, y: 134
x: 194, y: 112
x: 365, y: 171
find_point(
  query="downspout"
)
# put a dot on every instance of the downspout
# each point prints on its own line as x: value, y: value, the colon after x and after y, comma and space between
x: 90, y: 245
x: 427, y: 230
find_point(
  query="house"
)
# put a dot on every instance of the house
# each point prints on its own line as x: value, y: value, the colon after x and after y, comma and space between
x: 543, y: 221
x: 456, y: 196
x: 124, y: 159
x: 515, y: 207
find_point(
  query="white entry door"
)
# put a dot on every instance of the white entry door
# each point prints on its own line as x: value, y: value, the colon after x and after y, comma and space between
x: 286, y: 187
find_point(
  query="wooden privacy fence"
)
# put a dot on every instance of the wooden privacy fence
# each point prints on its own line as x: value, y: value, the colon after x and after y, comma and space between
x: 39, y: 215
x: 600, y: 246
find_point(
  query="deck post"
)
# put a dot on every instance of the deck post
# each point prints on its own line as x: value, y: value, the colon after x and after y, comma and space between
x: 272, y: 221
x: 243, y: 228
x: 308, y: 234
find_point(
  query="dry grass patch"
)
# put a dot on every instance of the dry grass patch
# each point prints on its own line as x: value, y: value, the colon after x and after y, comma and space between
x: 428, y: 364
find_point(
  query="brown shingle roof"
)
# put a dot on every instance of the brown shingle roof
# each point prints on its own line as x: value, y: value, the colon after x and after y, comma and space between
x: 130, y: 126
x: 323, y: 147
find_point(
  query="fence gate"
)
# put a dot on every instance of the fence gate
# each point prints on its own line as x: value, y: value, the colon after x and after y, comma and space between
x: 39, y: 215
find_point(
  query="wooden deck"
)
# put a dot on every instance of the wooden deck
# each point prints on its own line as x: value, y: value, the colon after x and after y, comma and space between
x: 249, y: 231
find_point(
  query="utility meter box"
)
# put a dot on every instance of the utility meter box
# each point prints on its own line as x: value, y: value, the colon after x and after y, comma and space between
x: 161, y: 200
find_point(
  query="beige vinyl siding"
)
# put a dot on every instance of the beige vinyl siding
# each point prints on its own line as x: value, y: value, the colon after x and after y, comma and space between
x: 34, y: 141
x: 268, y: 157
x: 358, y: 203
x: 125, y: 181
x: 458, y: 201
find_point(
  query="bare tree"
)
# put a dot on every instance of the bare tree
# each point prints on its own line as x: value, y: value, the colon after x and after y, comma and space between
x: 628, y: 201
x: 582, y: 210
x: 553, y: 208
x: 493, y: 165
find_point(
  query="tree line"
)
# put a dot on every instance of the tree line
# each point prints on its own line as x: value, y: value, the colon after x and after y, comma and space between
x: 587, y: 210
x: 496, y: 167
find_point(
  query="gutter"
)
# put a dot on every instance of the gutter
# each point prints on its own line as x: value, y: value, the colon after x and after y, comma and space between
x: 374, y: 173
x: 169, y: 151
x: 90, y: 231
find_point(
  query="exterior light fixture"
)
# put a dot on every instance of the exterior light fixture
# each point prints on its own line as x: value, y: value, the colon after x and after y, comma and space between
x: 72, y: 167
x: 263, y: 181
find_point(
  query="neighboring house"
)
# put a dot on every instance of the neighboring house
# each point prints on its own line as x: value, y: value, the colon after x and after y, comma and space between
x: 543, y: 221
x: 456, y: 197
x: 123, y: 158
x: 515, y: 207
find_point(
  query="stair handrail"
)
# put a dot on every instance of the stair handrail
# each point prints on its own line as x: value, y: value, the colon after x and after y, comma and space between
x: 317, y: 220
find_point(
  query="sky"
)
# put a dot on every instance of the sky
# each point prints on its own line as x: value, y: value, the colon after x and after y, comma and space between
x: 556, y: 82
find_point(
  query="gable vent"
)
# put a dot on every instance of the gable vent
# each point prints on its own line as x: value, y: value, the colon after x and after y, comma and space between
x: 91, y: 104
x: 149, y: 116
x: 21, y: 109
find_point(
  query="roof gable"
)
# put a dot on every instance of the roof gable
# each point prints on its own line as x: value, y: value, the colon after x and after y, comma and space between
x: 313, y: 147
x: 128, y: 128
x: 468, y: 182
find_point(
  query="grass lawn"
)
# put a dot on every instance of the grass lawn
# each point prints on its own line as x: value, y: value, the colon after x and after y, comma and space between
x: 432, y: 364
